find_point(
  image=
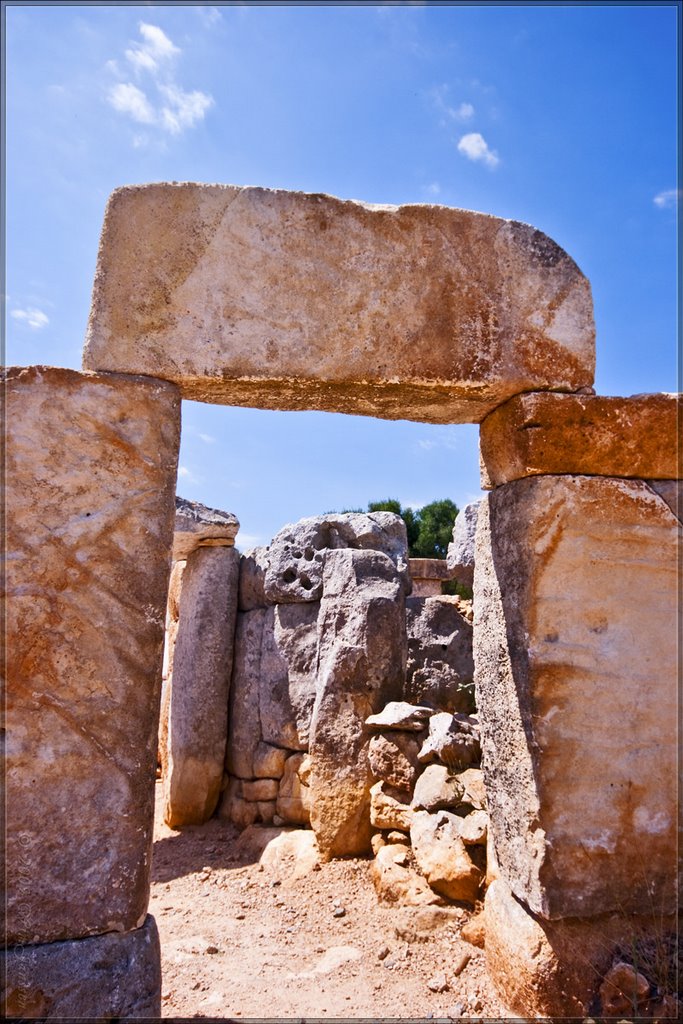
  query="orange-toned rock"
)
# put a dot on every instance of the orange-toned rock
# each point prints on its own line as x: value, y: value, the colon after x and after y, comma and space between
x: 556, y: 968
x: 536, y: 434
x: 91, y: 467
x: 576, y: 655
x: 284, y: 300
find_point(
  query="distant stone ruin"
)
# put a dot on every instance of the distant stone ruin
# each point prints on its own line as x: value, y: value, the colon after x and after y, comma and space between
x: 280, y: 300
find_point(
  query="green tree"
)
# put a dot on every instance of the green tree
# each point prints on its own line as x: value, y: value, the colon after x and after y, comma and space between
x: 435, y: 532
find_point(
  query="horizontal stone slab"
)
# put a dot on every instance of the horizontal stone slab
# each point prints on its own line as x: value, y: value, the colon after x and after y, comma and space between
x: 199, y: 526
x: 576, y: 657
x: 285, y: 300
x: 536, y: 434
x: 104, y: 977
x: 429, y: 569
x: 91, y: 469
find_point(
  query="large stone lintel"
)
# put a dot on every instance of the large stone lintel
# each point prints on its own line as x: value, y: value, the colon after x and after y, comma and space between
x: 536, y: 434
x: 284, y: 300
x: 91, y: 469
x: 575, y: 650
x: 103, y: 977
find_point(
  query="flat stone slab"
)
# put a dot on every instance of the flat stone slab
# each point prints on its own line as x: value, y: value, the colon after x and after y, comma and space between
x: 91, y: 468
x: 196, y: 525
x: 537, y: 434
x: 285, y: 300
x: 576, y: 657
x: 104, y: 977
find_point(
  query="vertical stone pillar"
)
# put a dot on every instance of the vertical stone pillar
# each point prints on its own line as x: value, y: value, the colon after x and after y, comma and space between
x: 91, y: 467
x: 576, y: 651
x: 199, y: 687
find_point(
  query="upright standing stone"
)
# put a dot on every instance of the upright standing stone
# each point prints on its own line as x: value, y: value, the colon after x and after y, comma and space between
x: 283, y: 300
x: 575, y: 649
x: 91, y: 467
x: 362, y: 653
x: 200, y: 685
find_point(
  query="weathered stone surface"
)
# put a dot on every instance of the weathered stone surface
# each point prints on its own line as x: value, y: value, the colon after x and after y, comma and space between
x: 672, y: 493
x: 539, y: 433
x: 396, y: 882
x: 460, y: 557
x: 253, y: 566
x: 361, y: 666
x: 172, y: 613
x: 474, y: 828
x: 295, y: 561
x: 244, y: 733
x: 388, y: 812
x: 91, y: 466
x: 195, y: 524
x: 442, y: 857
x: 293, y: 798
x: 393, y: 758
x: 256, y: 790
x: 103, y: 977
x: 567, y: 674
x: 294, y: 854
x: 440, y: 668
x: 474, y: 790
x: 269, y: 762
x: 233, y: 807
x: 437, y: 789
x: 453, y: 740
x: 398, y: 714
x: 624, y: 990
x: 554, y: 968
x: 274, y: 299
x: 200, y: 685
x: 287, y: 683
x: 427, y: 575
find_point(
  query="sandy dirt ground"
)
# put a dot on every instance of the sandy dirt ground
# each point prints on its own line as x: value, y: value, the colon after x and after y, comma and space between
x: 239, y: 940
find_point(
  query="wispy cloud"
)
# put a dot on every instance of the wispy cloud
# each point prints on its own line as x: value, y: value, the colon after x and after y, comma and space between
x: 186, y: 474
x: 209, y: 15
x: 207, y: 438
x: 461, y: 112
x: 33, y: 318
x: 670, y: 197
x: 474, y: 147
x: 433, y: 189
x: 170, y: 107
x: 154, y: 50
x: 128, y: 99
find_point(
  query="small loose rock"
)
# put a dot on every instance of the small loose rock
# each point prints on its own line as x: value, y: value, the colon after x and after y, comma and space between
x: 438, y: 983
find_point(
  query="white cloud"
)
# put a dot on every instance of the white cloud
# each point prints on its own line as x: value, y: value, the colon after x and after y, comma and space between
x: 186, y: 474
x: 669, y: 197
x: 474, y: 147
x: 209, y: 15
x: 433, y: 189
x: 153, y: 51
x: 463, y: 112
x: 172, y: 109
x: 185, y: 108
x: 128, y: 99
x: 207, y: 438
x: 33, y: 318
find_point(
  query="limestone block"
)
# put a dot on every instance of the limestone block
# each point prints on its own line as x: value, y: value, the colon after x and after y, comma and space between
x: 103, y: 977
x: 275, y: 299
x: 293, y: 798
x: 386, y: 811
x: 287, y: 683
x: 244, y: 732
x: 293, y: 854
x: 393, y: 759
x: 554, y: 969
x: 195, y: 524
x: 453, y: 740
x: 269, y: 762
x: 295, y: 562
x: 233, y: 807
x: 253, y: 566
x: 440, y: 668
x: 256, y: 790
x: 397, y: 882
x: 200, y: 685
x: 437, y: 788
x: 576, y: 665
x: 460, y: 557
x: 442, y: 857
x: 91, y: 467
x: 582, y: 434
x: 362, y: 651
x: 427, y: 575
x: 398, y: 714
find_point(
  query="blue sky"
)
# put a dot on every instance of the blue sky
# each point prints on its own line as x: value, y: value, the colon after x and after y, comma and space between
x: 561, y: 116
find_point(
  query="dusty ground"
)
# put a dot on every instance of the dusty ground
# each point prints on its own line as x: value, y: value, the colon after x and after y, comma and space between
x: 240, y: 940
